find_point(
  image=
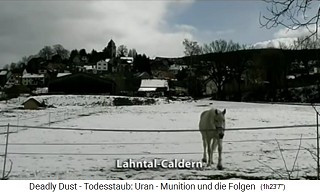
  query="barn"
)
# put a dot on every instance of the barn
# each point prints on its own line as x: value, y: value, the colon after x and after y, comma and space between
x: 32, y: 104
x: 81, y: 83
x: 153, y: 87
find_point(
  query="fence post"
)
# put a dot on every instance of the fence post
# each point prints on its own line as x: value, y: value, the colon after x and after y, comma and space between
x: 318, y: 166
x: 18, y: 122
x: 5, y: 153
x: 49, y: 118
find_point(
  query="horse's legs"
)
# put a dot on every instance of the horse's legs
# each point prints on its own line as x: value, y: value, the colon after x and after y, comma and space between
x: 213, y: 148
x: 210, y: 151
x: 204, y: 142
x: 219, y: 166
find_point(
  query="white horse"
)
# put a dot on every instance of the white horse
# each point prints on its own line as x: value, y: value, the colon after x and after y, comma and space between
x: 212, y: 126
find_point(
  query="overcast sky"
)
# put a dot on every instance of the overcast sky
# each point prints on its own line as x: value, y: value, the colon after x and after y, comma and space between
x: 156, y: 28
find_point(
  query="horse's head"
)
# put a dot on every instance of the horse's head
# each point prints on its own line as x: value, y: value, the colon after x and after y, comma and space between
x: 219, y: 122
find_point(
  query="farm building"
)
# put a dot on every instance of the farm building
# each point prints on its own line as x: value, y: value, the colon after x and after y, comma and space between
x: 153, y: 87
x: 32, y: 104
x: 81, y: 83
x: 29, y: 79
x: 4, y: 76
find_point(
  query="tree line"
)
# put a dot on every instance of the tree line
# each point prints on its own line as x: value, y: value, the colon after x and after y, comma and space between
x: 57, y: 54
x: 225, y: 62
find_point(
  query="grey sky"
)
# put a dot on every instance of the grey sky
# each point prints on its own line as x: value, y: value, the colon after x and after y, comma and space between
x: 156, y: 28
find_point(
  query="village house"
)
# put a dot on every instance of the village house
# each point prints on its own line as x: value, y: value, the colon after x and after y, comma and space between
x: 153, y: 87
x: 174, y: 68
x: 103, y: 66
x: 125, y: 65
x: 89, y: 69
x: 164, y: 75
x: 4, y: 76
x: 143, y: 75
x: 14, y: 79
x: 29, y: 79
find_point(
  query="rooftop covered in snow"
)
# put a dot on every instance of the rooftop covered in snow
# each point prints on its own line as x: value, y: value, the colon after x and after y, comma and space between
x: 152, y: 84
x: 30, y: 75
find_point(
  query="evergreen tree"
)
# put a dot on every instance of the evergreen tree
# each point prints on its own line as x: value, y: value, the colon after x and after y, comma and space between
x: 83, y: 52
x: 109, y: 51
x: 142, y: 63
x: 132, y: 53
x: 73, y: 54
x: 94, y: 56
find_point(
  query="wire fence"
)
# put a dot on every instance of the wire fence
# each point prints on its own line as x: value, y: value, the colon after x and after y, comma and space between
x: 53, y: 115
x: 22, y: 121
x: 155, y: 130
x: 142, y: 154
x: 108, y: 130
x: 144, y: 143
x: 148, y: 143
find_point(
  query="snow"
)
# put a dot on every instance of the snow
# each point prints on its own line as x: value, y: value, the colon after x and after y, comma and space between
x: 88, y: 67
x: 43, y: 90
x: 29, y: 75
x: 128, y: 59
x: 62, y: 74
x: 275, y: 43
x: 147, y: 89
x: 91, y: 154
x: 152, y: 84
x: 3, y: 72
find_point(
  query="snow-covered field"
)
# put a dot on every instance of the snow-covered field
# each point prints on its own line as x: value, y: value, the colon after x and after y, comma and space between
x: 40, y: 153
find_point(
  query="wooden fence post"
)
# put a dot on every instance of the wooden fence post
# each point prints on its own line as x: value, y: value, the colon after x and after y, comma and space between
x: 318, y: 165
x: 49, y: 118
x: 5, y: 153
x: 18, y: 122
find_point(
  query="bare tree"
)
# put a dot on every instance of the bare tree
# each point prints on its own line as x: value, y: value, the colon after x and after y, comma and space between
x: 306, y: 43
x: 191, y: 47
x: 60, y: 50
x: 283, y: 46
x: 46, y: 52
x: 222, y: 67
x: 122, y: 51
x: 292, y: 14
x: 221, y: 46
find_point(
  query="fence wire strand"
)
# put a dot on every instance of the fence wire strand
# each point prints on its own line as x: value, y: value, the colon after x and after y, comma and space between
x: 145, y: 153
x: 147, y: 143
x: 140, y: 143
x: 158, y: 130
